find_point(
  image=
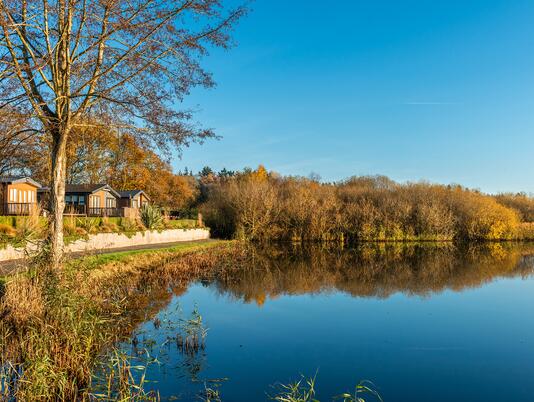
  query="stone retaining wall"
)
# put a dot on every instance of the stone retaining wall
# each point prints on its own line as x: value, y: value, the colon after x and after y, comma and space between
x: 108, y: 241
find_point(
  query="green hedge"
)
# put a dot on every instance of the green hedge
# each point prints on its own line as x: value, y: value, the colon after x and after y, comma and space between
x: 181, y: 224
x: 117, y: 223
x: 15, y: 221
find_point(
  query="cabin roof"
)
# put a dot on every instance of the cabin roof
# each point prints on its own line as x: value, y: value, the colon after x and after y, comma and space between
x: 86, y: 189
x: 19, y: 179
x: 132, y: 193
x: 90, y: 188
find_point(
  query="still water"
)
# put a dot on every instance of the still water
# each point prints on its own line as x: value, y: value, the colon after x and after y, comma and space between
x: 422, y: 322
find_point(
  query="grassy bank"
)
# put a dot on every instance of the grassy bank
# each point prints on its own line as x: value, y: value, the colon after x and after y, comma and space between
x: 55, y: 325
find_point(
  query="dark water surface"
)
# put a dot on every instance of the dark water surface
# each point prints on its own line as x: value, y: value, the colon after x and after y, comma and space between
x: 422, y: 322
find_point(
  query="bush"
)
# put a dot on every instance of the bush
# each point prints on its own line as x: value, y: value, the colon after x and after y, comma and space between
x: 90, y: 225
x: 130, y: 225
x: 109, y: 226
x: 7, y: 230
x: 151, y: 217
x: 521, y: 203
x: 181, y: 224
x: 261, y: 207
x: 525, y: 231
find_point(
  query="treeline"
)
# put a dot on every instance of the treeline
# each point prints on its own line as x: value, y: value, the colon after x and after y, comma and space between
x: 98, y: 153
x: 262, y: 206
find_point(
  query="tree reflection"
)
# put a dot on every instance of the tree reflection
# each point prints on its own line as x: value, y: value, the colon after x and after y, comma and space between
x: 374, y: 270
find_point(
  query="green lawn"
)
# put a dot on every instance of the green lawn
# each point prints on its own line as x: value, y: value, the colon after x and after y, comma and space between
x: 102, y: 259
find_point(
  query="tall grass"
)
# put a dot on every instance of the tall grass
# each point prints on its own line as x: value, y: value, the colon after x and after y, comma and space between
x: 117, y: 381
x: 193, y: 334
x: 304, y: 390
x: 55, y: 325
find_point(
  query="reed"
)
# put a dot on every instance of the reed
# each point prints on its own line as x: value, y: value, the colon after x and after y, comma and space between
x: 55, y: 325
x: 192, y: 336
x: 304, y: 391
x: 298, y: 391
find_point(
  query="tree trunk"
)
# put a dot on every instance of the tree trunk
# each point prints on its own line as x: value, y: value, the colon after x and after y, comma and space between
x: 57, y: 199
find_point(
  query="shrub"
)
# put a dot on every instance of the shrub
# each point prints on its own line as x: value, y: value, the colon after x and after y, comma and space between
x: 130, y: 225
x: 521, y: 203
x: 69, y: 226
x: 269, y: 207
x: 151, y: 217
x: 181, y: 224
x: 525, y: 231
x: 31, y: 226
x: 108, y: 226
x: 7, y: 230
x: 90, y: 225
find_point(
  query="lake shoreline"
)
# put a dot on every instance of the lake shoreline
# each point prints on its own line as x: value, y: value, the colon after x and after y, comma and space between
x: 85, y: 309
x: 61, y: 327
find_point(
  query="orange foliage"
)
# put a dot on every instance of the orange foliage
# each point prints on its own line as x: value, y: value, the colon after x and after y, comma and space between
x: 263, y: 206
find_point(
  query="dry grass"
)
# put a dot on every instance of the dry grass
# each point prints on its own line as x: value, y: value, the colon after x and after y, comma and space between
x: 55, y: 326
x: 7, y: 230
x: 22, y: 301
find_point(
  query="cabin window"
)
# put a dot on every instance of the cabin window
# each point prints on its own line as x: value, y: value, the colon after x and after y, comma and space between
x: 14, y: 199
x: 94, y: 201
x: 111, y: 203
x: 75, y: 200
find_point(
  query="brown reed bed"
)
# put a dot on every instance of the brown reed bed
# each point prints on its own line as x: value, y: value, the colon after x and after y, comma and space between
x: 56, y: 325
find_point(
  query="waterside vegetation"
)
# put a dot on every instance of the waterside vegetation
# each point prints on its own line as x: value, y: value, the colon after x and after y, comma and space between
x: 264, y: 206
x: 58, y: 329
x: 55, y: 325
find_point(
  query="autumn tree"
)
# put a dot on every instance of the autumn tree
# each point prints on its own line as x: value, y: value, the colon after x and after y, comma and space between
x: 63, y: 60
x: 131, y: 166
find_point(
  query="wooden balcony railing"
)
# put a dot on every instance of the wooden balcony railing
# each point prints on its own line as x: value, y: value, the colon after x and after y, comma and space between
x: 18, y: 208
x: 84, y: 210
x: 75, y: 210
x: 101, y: 211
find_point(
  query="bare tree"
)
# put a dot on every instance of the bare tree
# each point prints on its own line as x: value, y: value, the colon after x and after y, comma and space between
x: 16, y: 142
x: 131, y: 59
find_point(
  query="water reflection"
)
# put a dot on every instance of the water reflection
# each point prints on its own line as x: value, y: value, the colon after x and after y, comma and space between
x: 434, y: 331
x: 374, y: 270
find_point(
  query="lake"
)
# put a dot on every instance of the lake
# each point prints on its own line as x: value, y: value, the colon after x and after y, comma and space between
x: 423, y: 322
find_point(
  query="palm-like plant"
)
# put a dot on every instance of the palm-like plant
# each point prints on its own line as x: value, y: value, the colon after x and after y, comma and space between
x: 151, y: 217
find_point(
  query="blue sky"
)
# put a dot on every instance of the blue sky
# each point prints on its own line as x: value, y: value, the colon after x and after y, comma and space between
x: 435, y: 90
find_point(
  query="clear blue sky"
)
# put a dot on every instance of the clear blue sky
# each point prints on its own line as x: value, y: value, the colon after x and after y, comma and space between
x: 434, y: 90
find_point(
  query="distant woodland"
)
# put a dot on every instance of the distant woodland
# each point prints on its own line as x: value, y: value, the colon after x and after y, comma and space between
x: 260, y: 205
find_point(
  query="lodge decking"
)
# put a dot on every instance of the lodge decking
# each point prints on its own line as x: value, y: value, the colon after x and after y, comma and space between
x: 25, y: 196
x: 18, y: 208
x: 23, y: 209
x: 84, y: 210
